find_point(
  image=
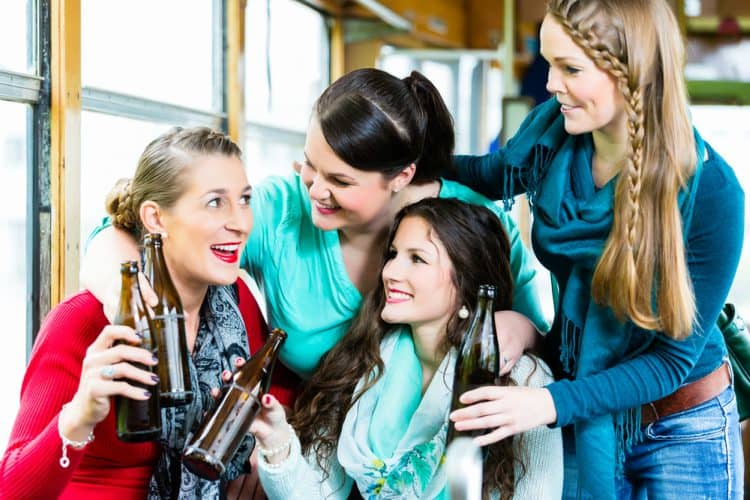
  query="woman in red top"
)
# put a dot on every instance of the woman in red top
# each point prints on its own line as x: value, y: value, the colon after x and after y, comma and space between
x: 190, y: 186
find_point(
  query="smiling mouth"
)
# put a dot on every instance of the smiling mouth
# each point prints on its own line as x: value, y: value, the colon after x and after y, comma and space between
x: 228, y: 253
x: 397, y: 296
x: 326, y: 209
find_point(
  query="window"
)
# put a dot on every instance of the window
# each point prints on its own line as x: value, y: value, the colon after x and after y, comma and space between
x: 15, y: 38
x: 157, y: 50
x: 287, y: 69
x: 727, y: 129
x: 13, y: 258
x: 110, y: 147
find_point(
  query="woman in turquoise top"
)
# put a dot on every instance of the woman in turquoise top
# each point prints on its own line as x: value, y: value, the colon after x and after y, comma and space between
x: 375, y: 413
x: 641, y: 223
x: 375, y: 144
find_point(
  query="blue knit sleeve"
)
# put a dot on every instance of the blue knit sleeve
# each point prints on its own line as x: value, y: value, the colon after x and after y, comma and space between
x: 713, y: 251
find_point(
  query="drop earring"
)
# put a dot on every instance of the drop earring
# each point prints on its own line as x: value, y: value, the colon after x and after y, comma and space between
x: 463, y: 313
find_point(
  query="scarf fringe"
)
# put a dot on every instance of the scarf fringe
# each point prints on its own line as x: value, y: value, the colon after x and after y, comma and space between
x: 530, y: 181
x: 628, y: 433
x: 570, y: 337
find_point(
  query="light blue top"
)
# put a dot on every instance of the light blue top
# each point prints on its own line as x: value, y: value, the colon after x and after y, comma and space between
x: 301, y: 270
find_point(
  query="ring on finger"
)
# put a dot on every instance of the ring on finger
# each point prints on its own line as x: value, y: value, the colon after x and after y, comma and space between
x: 107, y: 372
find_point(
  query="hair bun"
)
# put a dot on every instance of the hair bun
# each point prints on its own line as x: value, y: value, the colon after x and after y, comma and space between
x: 119, y: 205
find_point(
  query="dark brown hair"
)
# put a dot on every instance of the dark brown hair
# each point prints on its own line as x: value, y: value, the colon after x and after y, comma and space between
x: 379, y: 123
x: 463, y: 229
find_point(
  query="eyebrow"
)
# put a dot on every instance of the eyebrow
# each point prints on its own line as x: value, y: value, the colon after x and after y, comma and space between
x: 330, y: 174
x: 223, y: 191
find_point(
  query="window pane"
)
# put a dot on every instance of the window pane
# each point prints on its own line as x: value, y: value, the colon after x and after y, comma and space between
x: 158, y: 50
x: 271, y: 153
x: 110, y: 148
x: 13, y: 252
x: 286, y: 68
x: 14, y: 35
x: 727, y: 129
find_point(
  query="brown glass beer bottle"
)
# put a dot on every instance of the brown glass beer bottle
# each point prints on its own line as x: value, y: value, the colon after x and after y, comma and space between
x: 137, y: 420
x: 478, y: 360
x: 222, y: 431
x: 168, y: 323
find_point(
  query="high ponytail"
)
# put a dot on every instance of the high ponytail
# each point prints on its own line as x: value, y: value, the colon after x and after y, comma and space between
x: 439, y: 137
x: 376, y: 122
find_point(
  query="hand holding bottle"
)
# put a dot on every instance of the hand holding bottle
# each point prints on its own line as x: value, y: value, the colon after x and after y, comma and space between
x: 505, y: 411
x: 271, y: 429
x: 105, y: 372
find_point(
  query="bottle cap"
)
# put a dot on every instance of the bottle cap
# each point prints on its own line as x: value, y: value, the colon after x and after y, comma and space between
x: 129, y: 267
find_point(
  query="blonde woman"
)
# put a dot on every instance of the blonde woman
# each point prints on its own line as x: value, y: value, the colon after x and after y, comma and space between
x: 640, y: 222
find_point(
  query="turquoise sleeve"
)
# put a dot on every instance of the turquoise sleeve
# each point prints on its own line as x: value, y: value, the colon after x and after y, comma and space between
x: 104, y: 224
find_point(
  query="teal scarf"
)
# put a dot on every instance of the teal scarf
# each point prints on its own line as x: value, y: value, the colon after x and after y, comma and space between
x: 572, y: 221
x: 392, y: 442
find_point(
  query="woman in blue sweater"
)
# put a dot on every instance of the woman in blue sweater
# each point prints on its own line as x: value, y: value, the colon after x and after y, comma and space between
x: 640, y: 222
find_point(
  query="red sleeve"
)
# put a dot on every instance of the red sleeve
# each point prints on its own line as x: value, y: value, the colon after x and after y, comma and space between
x: 285, y: 384
x: 30, y: 467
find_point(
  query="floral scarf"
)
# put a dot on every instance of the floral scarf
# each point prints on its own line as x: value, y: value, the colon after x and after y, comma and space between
x: 392, y: 441
x: 221, y: 340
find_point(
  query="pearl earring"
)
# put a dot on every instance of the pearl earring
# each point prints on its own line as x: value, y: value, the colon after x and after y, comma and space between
x: 463, y: 313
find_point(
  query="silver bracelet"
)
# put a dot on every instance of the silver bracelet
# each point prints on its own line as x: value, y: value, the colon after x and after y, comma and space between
x: 275, y: 451
x: 78, y: 445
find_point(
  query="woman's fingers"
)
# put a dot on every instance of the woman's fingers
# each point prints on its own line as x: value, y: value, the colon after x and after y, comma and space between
x: 127, y: 371
x: 110, y: 334
x: 118, y: 353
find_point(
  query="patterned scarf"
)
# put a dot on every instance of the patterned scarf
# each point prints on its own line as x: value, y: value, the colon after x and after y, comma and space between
x: 221, y: 340
x: 392, y: 442
x: 572, y: 225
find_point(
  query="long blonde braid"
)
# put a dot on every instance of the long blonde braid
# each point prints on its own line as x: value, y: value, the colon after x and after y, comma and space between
x: 646, y: 238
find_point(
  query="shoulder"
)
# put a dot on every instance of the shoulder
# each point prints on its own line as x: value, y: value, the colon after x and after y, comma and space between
x: 80, y: 311
x: 717, y: 178
x: 719, y: 198
x: 70, y: 328
x: 531, y: 371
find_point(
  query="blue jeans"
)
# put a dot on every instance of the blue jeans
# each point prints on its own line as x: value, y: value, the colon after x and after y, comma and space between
x: 693, y: 454
x: 696, y: 453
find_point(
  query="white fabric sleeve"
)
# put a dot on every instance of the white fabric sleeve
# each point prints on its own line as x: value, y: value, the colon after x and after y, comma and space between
x: 541, y: 447
x: 297, y: 478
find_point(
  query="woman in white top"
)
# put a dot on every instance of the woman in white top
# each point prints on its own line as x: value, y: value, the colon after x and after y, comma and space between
x: 375, y: 413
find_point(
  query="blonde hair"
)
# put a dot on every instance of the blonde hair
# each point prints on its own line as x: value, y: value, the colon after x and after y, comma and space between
x: 159, y: 176
x: 640, y: 44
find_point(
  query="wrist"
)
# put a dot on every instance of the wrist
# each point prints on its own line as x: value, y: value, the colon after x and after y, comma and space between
x: 72, y: 424
x: 548, y: 410
x: 277, y: 450
x: 68, y: 441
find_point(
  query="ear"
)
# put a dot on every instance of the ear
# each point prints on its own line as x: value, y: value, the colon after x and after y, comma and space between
x: 152, y: 217
x: 403, y: 178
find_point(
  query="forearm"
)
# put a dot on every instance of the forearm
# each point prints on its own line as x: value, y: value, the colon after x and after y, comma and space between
x: 99, y: 269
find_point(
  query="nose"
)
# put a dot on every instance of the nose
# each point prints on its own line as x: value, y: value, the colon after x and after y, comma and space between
x: 554, y: 82
x: 318, y: 188
x: 240, y: 220
x: 392, y: 271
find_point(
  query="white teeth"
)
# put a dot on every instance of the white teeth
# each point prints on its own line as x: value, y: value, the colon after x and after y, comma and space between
x: 226, y: 248
x: 398, y: 295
